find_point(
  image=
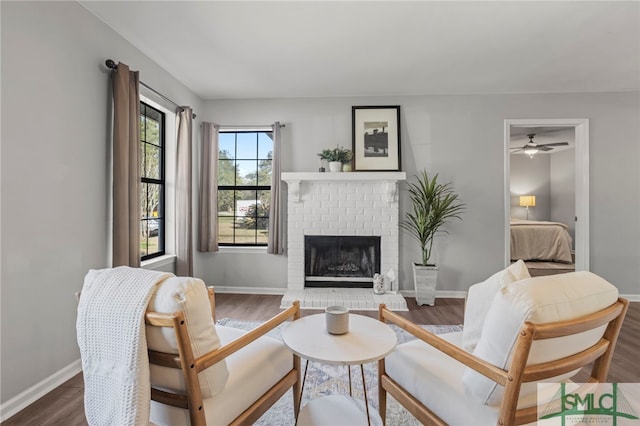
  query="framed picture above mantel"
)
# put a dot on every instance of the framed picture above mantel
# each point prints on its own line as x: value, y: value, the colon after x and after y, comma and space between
x: 376, y: 138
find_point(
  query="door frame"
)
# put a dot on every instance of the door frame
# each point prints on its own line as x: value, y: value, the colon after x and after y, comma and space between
x: 581, y: 126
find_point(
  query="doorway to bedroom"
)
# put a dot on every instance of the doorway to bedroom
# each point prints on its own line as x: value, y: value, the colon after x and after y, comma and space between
x: 546, y: 194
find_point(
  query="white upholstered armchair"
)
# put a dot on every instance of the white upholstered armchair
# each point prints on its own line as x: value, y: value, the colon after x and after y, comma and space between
x: 214, y: 375
x: 530, y: 330
x: 145, y: 334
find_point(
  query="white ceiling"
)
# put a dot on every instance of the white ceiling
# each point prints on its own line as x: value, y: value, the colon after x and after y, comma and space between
x: 265, y: 49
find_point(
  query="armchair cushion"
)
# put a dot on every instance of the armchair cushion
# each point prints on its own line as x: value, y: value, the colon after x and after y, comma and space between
x: 479, y: 300
x: 435, y: 379
x: 252, y: 371
x: 190, y: 296
x: 537, y: 300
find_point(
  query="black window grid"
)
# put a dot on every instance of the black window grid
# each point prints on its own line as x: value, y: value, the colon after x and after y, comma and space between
x: 237, y: 188
x: 159, y: 220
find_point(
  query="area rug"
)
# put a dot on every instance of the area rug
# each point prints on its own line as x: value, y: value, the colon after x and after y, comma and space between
x: 324, y: 379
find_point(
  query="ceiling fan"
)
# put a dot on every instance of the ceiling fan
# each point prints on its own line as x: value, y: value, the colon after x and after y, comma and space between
x: 531, y: 148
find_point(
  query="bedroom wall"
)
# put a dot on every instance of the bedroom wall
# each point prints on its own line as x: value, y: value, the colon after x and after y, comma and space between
x: 54, y: 178
x: 563, y: 189
x: 530, y: 176
x: 551, y: 178
x: 461, y: 137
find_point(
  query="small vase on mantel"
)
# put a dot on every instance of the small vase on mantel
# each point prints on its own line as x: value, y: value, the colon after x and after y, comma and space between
x: 335, y: 166
x: 346, y: 167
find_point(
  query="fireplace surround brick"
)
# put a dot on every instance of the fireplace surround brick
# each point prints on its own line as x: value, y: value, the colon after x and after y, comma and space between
x: 356, y: 203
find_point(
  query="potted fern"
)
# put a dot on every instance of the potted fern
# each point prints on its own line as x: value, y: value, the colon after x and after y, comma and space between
x: 433, y: 205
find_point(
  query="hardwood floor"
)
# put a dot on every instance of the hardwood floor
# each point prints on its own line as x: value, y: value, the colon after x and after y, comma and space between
x: 262, y: 307
x: 64, y: 405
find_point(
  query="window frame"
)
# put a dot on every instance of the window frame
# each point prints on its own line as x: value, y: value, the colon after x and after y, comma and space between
x: 237, y: 188
x: 162, y: 182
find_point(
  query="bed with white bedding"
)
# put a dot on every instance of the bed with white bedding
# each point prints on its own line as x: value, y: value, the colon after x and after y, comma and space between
x: 540, y: 241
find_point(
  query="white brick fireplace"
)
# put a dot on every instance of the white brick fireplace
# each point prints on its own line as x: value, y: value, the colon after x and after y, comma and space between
x: 342, y: 204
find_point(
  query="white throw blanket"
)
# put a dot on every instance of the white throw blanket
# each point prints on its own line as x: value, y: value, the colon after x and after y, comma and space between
x: 113, y: 345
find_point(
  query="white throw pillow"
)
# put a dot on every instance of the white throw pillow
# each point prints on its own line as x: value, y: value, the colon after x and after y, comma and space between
x: 538, y: 300
x: 479, y: 300
x: 190, y: 296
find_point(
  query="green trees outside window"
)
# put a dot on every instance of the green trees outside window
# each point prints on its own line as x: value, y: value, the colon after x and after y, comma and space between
x: 244, y: 187
x: 152, y: 182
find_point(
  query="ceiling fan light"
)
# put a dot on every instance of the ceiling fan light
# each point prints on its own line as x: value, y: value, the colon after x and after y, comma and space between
x: 531, y: 151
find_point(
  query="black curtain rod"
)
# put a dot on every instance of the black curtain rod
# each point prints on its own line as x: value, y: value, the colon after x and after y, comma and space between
x: 113, y: 66
x: 246, y: 126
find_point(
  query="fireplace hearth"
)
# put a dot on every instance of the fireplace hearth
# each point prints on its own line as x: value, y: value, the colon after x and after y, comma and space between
x: 341, y: 261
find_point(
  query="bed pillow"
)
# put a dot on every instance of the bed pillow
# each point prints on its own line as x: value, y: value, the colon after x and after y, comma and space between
x: 538, y: 300
x: 190, y: 296
x: 479, y: 300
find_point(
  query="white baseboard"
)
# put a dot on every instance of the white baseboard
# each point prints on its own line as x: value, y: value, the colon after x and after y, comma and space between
x: 631, y: 297
x: 37, y: 391
x: 452, y: 294
x: 439, y: 294
x: 249, y: 290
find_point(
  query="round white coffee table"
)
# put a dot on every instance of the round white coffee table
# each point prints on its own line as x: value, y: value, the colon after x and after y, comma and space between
x: 366, y: 341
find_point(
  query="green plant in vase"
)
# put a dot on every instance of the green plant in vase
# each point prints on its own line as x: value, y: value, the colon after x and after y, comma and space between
x: 336, y: 157
x: 433, y: 205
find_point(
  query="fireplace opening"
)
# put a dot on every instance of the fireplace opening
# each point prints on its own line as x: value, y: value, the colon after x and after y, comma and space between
x: 341, y: 261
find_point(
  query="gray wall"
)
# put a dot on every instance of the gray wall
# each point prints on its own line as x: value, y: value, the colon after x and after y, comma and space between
x: 55, y: 98
x: 563, y: 189
x: 462, y: 138
x: 530, y: 176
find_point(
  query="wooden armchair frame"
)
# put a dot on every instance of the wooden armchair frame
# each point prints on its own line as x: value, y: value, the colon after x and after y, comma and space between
x: 517, y: 372
x: 190, y: 366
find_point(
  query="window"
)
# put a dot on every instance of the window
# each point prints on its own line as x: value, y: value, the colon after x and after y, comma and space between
x: 152, y: 182
x: 244, y: 187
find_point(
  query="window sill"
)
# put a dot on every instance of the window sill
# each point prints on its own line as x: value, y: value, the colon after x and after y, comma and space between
x: 158, y: 262
x: 242, y: 250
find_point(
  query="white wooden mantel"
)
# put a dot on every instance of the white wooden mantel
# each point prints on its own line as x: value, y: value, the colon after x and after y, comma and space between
x: 390, y: 179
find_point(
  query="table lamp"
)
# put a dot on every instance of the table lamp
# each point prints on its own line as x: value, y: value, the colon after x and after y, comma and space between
x: 527, y: 201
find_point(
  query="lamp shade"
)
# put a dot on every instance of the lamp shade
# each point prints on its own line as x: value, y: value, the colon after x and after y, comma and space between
x: 527, y: 201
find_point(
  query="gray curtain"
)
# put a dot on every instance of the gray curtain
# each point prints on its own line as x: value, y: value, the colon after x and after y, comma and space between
x: 126, y: 169
x: 184, y: 240
x: 208, y: 213
x: 275, y: 244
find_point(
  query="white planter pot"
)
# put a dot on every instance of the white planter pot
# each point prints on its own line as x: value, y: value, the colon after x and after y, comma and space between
x: 425, y: 279
x: 335, y: 166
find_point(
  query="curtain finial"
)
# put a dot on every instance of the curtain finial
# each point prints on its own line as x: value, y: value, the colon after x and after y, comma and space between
x: 110, y: 63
